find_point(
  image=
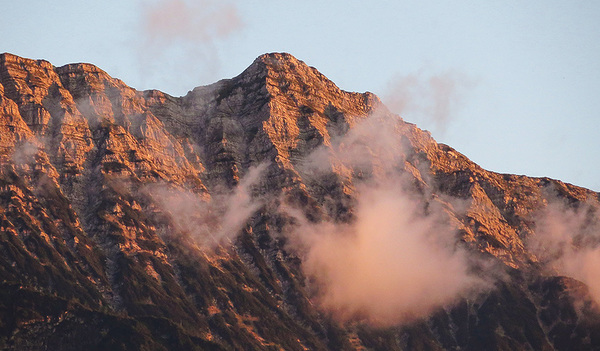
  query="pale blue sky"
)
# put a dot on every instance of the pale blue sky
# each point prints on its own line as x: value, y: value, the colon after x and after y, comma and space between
x: 522, y: 77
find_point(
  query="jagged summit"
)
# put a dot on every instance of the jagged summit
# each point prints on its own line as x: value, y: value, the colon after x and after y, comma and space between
x: 284, y: 63
x: 283, y: 66
x: 8, y: 57
x: 138, y: 220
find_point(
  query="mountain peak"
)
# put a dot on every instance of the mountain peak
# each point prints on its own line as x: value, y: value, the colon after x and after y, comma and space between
x: 8, y: 57
x: 278, y: 57
x: 285, y: 62
x: 138, y: 220
x: 285, y: 67
x: 278, y: 60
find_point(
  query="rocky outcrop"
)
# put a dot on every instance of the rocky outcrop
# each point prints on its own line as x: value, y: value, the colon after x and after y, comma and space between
x: 108, y: 196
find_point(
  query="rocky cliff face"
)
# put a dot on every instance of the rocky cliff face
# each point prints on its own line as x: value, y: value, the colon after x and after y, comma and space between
x: 138, y: 220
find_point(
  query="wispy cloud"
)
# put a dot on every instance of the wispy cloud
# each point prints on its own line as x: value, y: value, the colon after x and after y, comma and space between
x: 567, y: 241
x: 178, y: 39
x: 209, y: 220
x: 168, y: 21
x: 398, y: 258
x: 431, y: 100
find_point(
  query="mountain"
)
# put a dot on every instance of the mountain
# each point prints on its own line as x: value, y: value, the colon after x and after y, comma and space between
x: 272, y: 210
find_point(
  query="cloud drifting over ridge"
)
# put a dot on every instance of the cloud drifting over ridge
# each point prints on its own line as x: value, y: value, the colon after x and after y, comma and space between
x: 429, y: 100
x: 210, y: 221
x: 391, y: 265
x: 567, y: 242
x: 398, y: 259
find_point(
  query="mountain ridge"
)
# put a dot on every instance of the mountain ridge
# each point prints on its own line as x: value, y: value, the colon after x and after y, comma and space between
x: 93, y: 177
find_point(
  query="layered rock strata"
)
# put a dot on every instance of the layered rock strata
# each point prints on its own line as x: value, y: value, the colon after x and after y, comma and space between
x: 99, y: 249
